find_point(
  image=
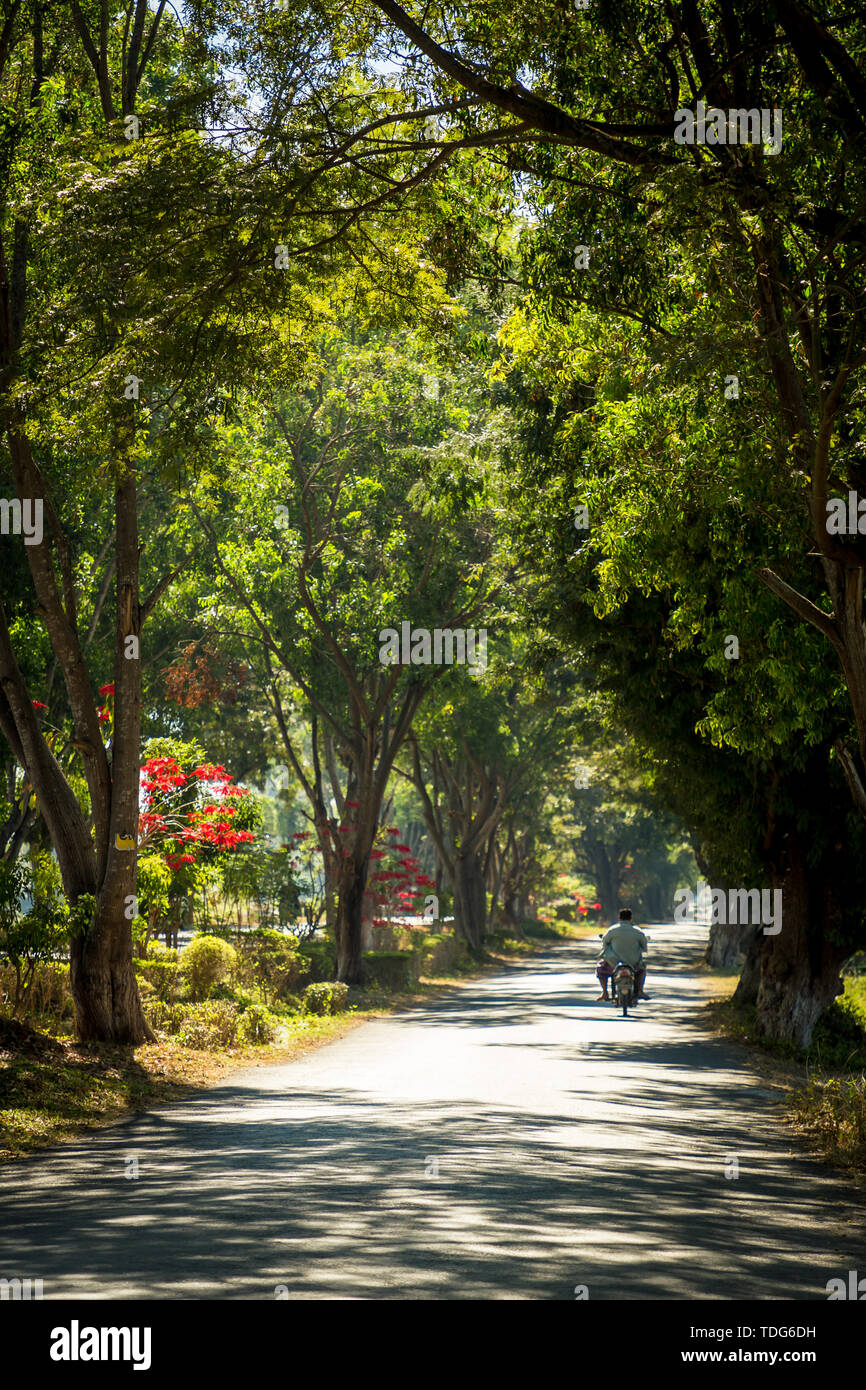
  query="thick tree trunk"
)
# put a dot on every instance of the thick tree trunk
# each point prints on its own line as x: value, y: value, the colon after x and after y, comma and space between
x: 728, y: 944
x: 793, y: 976
x: 800, y: 966
x: 509, y: 911
x: 104, y: 987
x: 350, y: 918
x: 750, y: 975
x: 470, y: 900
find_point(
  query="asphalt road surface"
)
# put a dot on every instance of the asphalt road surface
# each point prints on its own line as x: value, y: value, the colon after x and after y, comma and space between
x: 514, y: 1139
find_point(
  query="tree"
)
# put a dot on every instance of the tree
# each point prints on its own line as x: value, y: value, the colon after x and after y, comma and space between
x: 337, y: 539
x: 644, y: 597
x: 790, y: 224
x: 486, y: 740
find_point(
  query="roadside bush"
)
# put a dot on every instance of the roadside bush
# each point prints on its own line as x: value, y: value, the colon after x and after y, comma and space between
x: 326, y: 998
x: 49, y: 991
x: 391, y: 969
x: 270, y: 959
x: 207, y: 961
x: 258, y: 1025
x: 540, y: 931
x: 317, y: 961
x: 163, y: 976
x: 165, y: 1018
x: 213, y: 1024
x: 32, y: 938
x: 158, y: 951
x: 834, y: 1114
x: 444, y: 954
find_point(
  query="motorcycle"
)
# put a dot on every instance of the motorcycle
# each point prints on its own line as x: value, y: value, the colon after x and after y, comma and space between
x: 623, y: 987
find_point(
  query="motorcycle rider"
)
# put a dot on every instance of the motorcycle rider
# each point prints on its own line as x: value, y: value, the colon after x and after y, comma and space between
x: 623, y: 942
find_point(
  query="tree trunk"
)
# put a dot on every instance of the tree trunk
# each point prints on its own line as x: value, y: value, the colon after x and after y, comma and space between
x: 799, y: 966
x: 728, y: 944
x: 509, y: 911
x: 750, y: 975
x: 102, y: 978
x: 470, y: 900
x: 350, y: 918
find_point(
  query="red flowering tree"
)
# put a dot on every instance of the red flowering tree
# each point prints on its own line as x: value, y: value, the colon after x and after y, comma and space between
x: 396, y: 887
x: 192, y: 814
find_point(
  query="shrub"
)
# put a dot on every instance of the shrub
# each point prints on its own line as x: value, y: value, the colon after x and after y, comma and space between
x: 211, y: 1025
x: 317, y: 960
x: 258, y: 1025
x: 162, y: 975
x: 166, y: 1018
x: 445, y: 955
x: 49, y: 991
x: 326, y: 998
x: 206, y: 962
x: 834, y: 1113
x: 391, y: 969
x: 157, y: 950
x: 270, y: 959
x: 540, y: 931
x: 27, y: 939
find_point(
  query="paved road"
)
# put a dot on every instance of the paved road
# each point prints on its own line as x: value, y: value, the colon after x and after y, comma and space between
x: 514, y: 1140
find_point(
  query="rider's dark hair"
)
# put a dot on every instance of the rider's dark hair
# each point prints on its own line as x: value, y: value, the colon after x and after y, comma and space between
x: 625, y: 914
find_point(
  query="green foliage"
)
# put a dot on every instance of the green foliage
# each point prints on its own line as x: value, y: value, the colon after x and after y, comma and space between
x: 325, y: 998
x: 28, y: 938
x: 272, y: 960
x: 833, y: 1114
x: 165, y: 1017
x: 444, y: 955
x: 207, y: 961
x: 163, y: 975
x: 210, y: 1025
x: 318, y: 955
x: 48, y: 993
x: 259, y: 1026
x: 397, y: 970
x: 214, y: 1024
x: 154, y: 885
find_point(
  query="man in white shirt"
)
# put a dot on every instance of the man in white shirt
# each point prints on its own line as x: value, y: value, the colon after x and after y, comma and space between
x: 623, y: 942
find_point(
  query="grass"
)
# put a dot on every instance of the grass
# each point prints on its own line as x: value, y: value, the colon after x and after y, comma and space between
x: 826, y: 1084
x: 52, y: 1088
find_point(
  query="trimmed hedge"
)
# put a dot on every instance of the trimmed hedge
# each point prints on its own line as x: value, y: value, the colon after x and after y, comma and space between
x: 392, y: 969
x: 205, y: 962
x: 319, y: 960
x: 446, y: 953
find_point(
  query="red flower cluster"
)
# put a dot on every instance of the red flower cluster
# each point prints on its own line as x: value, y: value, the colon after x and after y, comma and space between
x: 399, y: 885
x: 184, y: 825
